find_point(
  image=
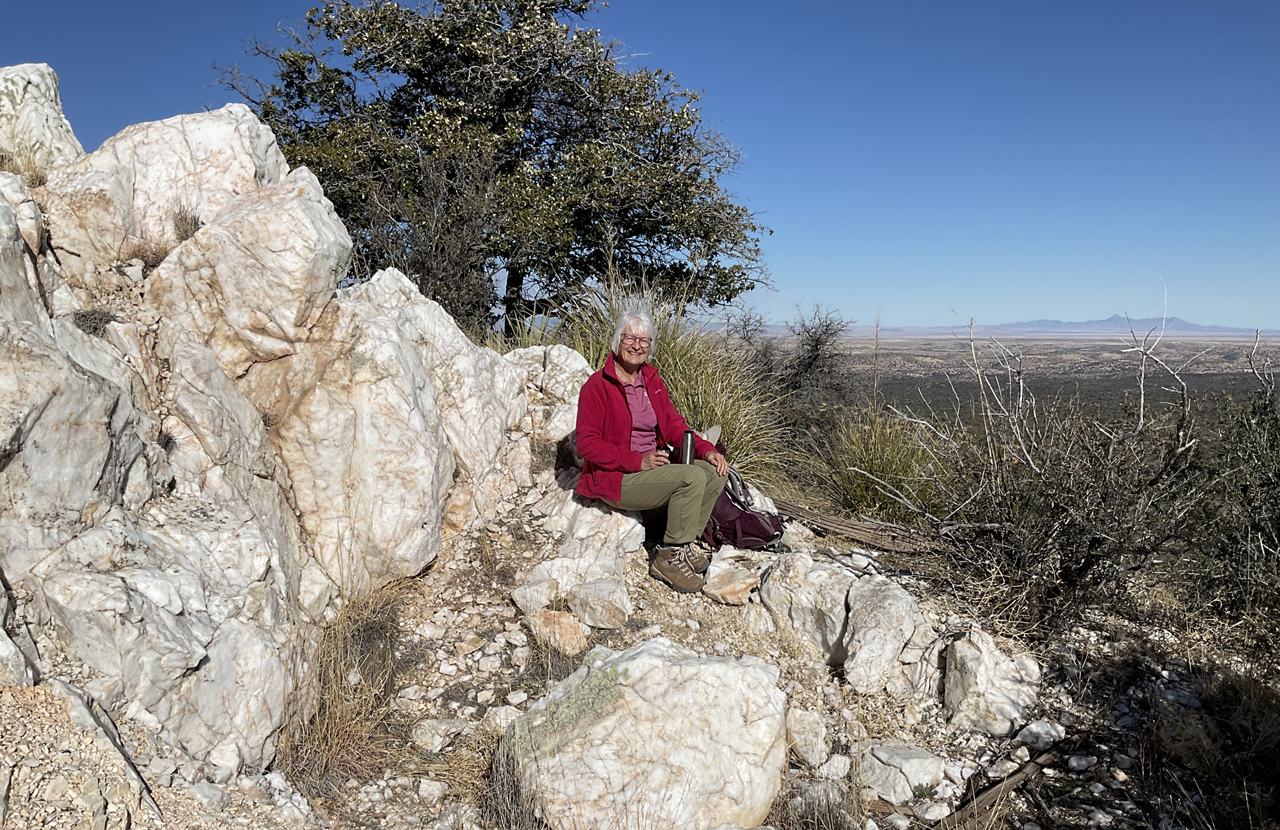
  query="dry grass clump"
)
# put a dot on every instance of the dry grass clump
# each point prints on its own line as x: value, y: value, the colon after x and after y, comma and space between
x: 94, y: 321
x: 21, y: 161
x: 829, y: 805
x: 504, y: 802
x: 343, y: 726
x: 185, y: 221
x: 151, y: 252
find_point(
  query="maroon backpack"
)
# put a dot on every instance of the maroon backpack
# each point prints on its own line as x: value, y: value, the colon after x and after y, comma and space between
x: 735, y: 521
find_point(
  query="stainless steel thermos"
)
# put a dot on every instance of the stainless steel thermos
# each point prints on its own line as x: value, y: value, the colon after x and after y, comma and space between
x: 686, y: 448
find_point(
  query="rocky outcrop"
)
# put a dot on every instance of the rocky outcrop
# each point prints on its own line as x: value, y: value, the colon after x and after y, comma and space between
x: 151, y: 177
x: 252, y: 283
x: 587, y: 568
x: 31, y: 119
x: 654, y: 736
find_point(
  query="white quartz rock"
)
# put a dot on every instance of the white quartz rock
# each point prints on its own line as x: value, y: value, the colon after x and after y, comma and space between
x: 230, y: 711
x: 601, y: 603
x: 18, y: 302
x: 31, y: 119
x: 30, y: 227
x: 198, y: 162
x: 127, y: 192
x: 75, y: 433
x: 809, y: 597
x: 596, y: 540
x: 883, y: 619
x: 356, y: 423
x: 556, y: 371
x: 14, y: 668
x: 1041, y: 734
x: 985, y: 690
x: 898, y: 773
x: 253, y: 282
x: 807, y: 736
x: 654, y: 736
x: 480, y: 396
x: 123, y: 634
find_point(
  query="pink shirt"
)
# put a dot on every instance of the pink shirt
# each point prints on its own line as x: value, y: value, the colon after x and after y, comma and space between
x: 644, y: 421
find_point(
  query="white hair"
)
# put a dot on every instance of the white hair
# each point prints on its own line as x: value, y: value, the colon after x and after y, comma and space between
x: 639, y: 321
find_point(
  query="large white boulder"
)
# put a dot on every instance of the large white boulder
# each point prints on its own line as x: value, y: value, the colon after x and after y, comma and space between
x: 253, y: 282
x: 985, y: 689
x: 356, y: 422
x: 883, y: 620
x: 31, y: 119
x: 808, y: 597
x: 654, y: 736
x: 132, y: 187
x: 185, y: 619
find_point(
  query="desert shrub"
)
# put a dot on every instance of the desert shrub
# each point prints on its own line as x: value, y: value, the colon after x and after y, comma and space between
x: 1244, y: 514
x: 343, y: 726
x: 710, y: 382
x: 22, y: 161
x: 1041, y: 502
x: 93, y: 321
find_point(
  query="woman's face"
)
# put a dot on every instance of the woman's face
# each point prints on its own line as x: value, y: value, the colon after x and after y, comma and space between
x: 634, y: 346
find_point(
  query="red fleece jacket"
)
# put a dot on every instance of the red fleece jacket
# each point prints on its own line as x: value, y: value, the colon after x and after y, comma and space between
x: 604, y: 430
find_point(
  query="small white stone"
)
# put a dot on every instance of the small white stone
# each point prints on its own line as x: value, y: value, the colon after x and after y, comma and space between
x: 1080, y: 763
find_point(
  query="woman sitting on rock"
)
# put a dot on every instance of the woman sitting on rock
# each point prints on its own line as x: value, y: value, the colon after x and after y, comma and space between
x: 625, y: 422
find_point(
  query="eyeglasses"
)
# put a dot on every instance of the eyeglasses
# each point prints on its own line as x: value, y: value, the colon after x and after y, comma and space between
x: 638, y: 340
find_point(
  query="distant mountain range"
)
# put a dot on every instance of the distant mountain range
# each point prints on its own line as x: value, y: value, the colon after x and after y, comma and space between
x: 1115, y: 325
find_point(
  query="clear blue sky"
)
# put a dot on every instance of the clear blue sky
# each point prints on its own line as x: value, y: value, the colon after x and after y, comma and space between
x: 926, y: 161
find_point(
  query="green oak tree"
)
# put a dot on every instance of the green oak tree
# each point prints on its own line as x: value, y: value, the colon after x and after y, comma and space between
x: 467, y: 139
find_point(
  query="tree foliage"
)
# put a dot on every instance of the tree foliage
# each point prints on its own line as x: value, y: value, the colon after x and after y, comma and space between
x: 465, y: 138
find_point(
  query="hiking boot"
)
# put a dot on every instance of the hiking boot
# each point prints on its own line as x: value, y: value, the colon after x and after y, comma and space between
x: 670, y: 564
x: 699, y: 560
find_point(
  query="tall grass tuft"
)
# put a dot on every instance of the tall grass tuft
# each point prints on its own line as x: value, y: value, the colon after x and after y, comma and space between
x: 22, y: 161
x: 879, y: 465
x: 343, y: 726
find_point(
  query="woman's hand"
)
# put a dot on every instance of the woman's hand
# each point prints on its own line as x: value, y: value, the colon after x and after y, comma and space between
x: 722, y: 465
x: 655, y: 459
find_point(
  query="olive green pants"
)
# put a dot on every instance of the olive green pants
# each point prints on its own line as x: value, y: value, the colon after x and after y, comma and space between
x: 688, y: 490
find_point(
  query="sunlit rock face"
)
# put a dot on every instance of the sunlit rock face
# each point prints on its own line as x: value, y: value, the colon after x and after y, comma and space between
x: 32, y: 126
